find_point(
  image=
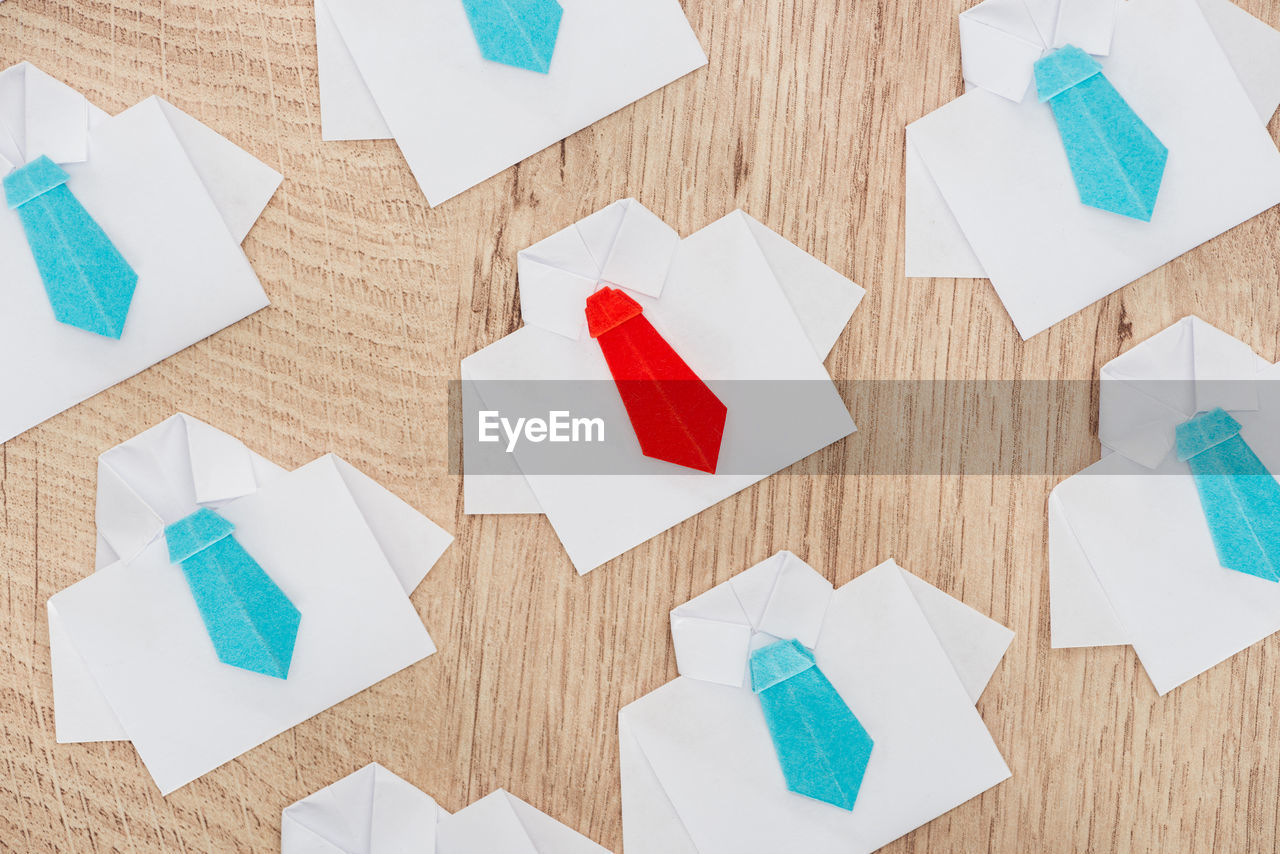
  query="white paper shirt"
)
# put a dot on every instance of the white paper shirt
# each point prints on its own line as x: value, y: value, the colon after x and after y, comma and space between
x: 699, y: 770
x: 738, y: 302
x: 131, y: 656
x: 989, y: 190
x: 1131, y: 559
x: 413, y: 71
x: 375, y: 812
x: 173, y: 196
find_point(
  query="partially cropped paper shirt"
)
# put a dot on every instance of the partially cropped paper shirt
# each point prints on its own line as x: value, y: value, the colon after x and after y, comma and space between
x: 699, y: 772
x: 373, y: 811
x: 174, y: 197
x: 132, y: 659
x: 415, y: 72
x: 990, y: 193
x: 1131, y: 556
x: 752, y: 315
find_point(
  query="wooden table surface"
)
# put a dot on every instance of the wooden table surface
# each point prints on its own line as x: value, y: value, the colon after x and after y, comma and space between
x: 375, y: 298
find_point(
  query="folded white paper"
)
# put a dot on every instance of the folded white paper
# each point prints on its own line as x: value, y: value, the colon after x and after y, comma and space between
x: 1131, y: 558
x: 173, y: 196
x: 989, y: 191
x: 699, y: 770
x: 413, y: 71
x: 375, y: 812
x: 741, y: 305
x: 131, y: 656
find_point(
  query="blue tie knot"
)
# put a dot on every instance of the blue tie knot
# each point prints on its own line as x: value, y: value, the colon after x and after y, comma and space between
x: 195, y: 533
x: 1062, y: 69
x: 778, y: 662
x: 35, y: 179
x: 1204, y: 431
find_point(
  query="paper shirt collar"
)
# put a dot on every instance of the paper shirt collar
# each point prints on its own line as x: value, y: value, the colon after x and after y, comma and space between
x: 371, y: 811
x: 1000, y: 40
x: 164, y: 474
x: 41, y: 116
x: 1188, y: 368
x: 777, y: 599
x: 624, y: 245
x: 375, y: 812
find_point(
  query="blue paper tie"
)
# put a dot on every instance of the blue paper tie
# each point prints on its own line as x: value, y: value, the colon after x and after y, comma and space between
x: 1240, y: 498
x: 521, y: 33
x: 822, y: 747
x: 1117, y: 162
x: 89, y: 283
x: 252, y: 624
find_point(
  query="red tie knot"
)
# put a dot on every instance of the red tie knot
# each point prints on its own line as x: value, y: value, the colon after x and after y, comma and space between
x: 609, y: 308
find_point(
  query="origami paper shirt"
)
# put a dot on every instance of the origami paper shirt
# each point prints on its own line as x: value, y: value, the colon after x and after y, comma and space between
x: 460, y: 114
x: 1140, y: 542
x: 375, y: 812
x: 987, y: 189
x: 132, y: 657
x: 749, y: 314
x: 700, y: 774
x: 128, y: 226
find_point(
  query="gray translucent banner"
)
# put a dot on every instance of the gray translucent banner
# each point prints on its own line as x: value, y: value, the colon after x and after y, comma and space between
x: 921, y: 427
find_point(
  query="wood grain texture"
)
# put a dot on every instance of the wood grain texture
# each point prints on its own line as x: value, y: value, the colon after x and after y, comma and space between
x: 375, y: 298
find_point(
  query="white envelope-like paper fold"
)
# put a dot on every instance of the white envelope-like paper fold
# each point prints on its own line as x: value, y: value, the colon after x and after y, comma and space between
x: 347, y: 108
x: 1079, y: 612
x: 240, y: 184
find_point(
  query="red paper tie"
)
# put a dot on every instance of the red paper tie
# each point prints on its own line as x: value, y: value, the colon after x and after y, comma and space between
x: 677, y: 418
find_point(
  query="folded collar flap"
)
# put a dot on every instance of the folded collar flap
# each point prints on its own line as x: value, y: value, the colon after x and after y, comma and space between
x: 164, y: 474
x: 999, y: 45
x: 1148, y: 391
x: 491, y: 824
x: 341, y: 813
x: 714, y: 633
x: 1000, y: 40
x: 624, y: 244
x: 41, y: 116
x: 403, y: 816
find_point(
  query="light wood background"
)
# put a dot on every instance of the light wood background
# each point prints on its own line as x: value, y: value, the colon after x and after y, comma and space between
x: 375, y: 298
